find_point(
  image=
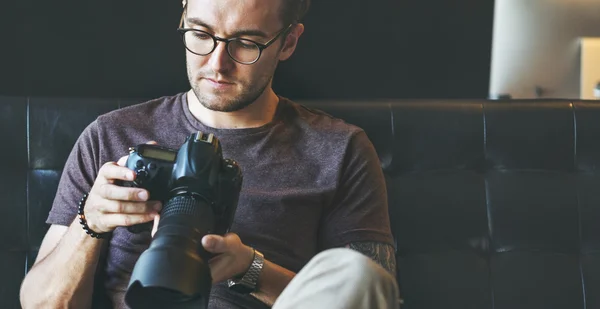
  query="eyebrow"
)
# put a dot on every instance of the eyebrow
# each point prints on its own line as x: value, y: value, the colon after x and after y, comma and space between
x: 238, y: 33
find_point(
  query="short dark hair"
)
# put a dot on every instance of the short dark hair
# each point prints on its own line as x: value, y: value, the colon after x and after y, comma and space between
x: 294, y: 10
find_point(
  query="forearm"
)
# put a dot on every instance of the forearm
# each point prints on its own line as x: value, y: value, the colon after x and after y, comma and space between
x: 65, y: 277
x: 271, y: 282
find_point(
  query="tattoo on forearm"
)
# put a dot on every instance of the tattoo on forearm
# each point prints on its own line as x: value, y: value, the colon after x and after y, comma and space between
x: 381, y: 253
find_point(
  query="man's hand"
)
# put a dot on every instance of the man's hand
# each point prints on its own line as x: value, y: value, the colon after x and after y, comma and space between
x: 109, y: 205
x: 232, y: 258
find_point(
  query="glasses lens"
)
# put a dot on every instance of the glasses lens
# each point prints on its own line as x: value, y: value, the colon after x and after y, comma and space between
x: 243, y: 50
x: 199, y: 42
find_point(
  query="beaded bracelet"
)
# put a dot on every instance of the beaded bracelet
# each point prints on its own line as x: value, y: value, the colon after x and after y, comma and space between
x: 83, y: 222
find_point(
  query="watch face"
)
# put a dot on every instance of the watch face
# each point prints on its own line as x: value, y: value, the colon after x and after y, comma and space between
x: 247, y: 283
x: 240, y: 287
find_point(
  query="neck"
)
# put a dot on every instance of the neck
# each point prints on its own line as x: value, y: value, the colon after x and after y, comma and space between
x: 257, y: 114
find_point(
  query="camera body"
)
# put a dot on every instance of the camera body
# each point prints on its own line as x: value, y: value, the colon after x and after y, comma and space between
x: 197, y: 167
x: 199, y: 190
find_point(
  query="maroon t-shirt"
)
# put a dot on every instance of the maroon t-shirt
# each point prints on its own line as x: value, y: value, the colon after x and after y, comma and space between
x: 311, y: 182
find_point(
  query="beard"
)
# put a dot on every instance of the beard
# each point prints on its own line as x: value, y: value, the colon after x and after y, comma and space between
x: 250, y: 91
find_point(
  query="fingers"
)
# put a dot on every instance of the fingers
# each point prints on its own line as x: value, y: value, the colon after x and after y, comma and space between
x: 122, y: 160
x: 126, y: 220
x: 110, y: 171
x: 125, y: 199
x: 131, y: 207
x: 155, y: 226
x: 110, y: 204
x: 118, y: 193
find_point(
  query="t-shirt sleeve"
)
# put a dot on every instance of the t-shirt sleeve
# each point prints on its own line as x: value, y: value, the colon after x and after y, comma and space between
x: 78, y: 176
x: 359, y: 211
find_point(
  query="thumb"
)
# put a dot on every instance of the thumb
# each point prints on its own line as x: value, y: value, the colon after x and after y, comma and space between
x: 214, y: 243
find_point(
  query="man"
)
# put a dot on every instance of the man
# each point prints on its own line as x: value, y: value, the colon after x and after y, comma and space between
x: 311, y: 182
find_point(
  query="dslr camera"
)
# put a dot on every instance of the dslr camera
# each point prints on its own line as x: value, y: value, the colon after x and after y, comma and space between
x: 199, y: 190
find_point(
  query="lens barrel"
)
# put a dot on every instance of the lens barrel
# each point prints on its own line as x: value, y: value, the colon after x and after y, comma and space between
x: 173, y: 272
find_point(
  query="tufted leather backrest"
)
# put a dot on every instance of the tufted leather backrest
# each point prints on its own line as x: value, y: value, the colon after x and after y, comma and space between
x: 494, y: 204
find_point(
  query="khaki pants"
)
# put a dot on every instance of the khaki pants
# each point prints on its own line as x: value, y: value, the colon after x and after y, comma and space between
x: 340, y: 279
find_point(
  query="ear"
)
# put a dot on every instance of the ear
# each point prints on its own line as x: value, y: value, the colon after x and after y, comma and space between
x: 291, y: 41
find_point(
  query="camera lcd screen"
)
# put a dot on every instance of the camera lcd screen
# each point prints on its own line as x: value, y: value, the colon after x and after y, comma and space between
x: 159, y: 154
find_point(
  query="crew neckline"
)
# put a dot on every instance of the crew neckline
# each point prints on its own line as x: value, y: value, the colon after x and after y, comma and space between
x: 198, y: 125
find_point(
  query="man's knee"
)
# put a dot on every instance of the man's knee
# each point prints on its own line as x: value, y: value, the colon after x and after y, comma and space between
x: 353, y: 265
x: 363, y: 282
x: 340, y: 278
x: 343, y: 256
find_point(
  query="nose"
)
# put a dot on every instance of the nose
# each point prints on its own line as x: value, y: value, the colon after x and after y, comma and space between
x: 219, y: 59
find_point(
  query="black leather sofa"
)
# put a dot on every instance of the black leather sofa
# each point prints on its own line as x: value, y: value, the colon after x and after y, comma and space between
x: 494, y: 204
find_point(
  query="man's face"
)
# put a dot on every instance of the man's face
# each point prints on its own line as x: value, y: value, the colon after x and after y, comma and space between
x: 220, y: 83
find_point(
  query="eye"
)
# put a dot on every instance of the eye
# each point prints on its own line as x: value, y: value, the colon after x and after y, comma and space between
x: 200, y: 35
x: 246, y: 44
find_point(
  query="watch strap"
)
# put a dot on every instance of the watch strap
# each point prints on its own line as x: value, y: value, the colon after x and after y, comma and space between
x: 248, y: 282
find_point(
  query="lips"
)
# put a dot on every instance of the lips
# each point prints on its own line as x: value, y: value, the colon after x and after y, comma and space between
x: 221, y: 81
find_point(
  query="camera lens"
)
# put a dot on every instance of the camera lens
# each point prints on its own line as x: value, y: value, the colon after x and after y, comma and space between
x: 174, y: 272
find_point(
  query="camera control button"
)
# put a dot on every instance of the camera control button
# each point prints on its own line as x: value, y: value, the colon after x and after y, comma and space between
x: 139, y: 164
x: 141, y: 176
x: 152, y: 166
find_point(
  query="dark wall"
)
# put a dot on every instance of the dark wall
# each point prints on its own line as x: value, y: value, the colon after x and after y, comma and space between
x: 350, y: 50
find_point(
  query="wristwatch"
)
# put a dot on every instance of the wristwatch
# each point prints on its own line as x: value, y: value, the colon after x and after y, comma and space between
x: 247, y: 283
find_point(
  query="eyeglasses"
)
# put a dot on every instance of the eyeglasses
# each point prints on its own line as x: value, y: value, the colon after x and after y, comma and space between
x: 243, y: 51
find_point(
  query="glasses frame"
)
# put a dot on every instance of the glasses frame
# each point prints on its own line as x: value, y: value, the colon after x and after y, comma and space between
x: 182, y: 31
